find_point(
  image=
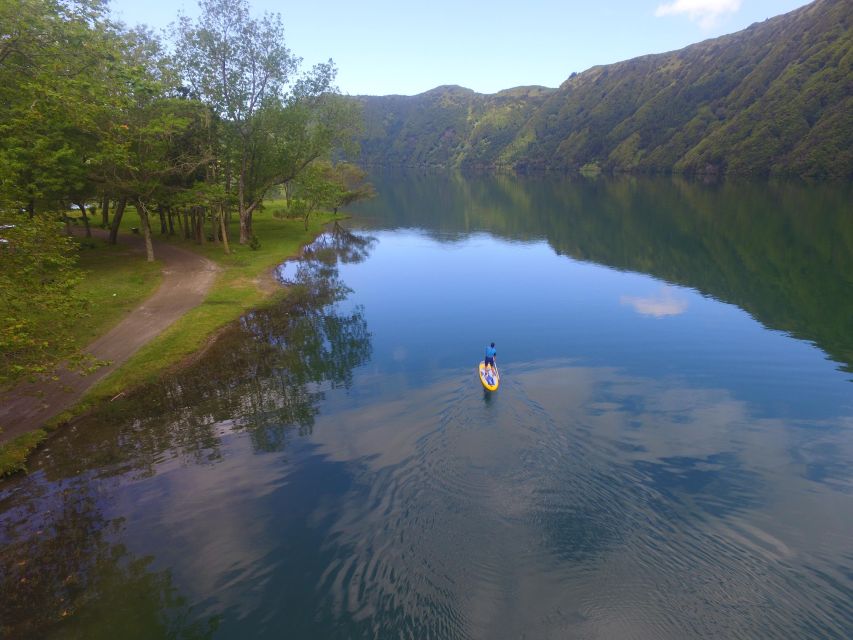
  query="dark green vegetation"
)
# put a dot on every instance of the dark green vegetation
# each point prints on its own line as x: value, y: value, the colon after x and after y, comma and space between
x: 776, y: 98
x: 447, y: 126
x: 105, y: 119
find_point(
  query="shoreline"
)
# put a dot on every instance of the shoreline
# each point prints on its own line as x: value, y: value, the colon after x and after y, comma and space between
x: 242, y: 281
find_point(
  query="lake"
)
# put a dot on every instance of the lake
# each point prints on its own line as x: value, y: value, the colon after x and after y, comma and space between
x: 669, y: 455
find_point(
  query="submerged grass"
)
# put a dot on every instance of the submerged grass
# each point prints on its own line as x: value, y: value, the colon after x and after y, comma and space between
x: 13, y: 455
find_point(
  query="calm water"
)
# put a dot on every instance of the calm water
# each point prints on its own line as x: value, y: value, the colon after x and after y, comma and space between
x: 670, y: 454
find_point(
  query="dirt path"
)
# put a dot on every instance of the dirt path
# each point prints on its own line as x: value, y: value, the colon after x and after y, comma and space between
x: 187, y: 277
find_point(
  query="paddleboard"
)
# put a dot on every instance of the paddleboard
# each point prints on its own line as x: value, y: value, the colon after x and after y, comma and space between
x: 490, y: 379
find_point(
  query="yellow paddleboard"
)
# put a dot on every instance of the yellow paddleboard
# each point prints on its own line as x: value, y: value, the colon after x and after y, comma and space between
x: 490, y: 379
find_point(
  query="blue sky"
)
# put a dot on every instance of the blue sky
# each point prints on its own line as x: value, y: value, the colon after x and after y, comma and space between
x: 382, y: 47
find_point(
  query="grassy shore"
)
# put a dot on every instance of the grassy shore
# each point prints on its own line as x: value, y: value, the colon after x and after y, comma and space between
x: 244, y: 283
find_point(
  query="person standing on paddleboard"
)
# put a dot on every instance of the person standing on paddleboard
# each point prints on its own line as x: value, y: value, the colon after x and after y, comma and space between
x: 490, y: 356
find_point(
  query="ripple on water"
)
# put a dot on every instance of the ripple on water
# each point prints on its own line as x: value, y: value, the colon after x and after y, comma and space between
x: 504, y: 520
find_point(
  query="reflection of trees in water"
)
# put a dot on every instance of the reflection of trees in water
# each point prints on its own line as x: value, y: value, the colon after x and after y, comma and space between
x: 339, y: 244
x: 265, y: 374
x: 291, y: 351
x: 60, y: 571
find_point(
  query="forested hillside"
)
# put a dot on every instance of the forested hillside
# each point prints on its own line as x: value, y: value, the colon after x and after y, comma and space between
x: 776, y: 98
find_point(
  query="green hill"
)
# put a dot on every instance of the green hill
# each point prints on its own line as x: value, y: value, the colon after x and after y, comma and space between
x: 773, y: 99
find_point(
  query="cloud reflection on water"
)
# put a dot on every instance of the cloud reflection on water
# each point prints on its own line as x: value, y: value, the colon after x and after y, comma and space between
x: 568, y: 500
x: 664, y: 303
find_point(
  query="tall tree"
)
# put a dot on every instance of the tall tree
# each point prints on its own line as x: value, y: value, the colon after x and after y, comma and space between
x: 235, y: 63
x: 153, y: 141
x: 54, y: 58
x: 163, y: 147
x: 290, y: 136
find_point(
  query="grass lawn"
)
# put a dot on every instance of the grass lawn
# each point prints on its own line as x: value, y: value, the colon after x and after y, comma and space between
x: 116, y: 281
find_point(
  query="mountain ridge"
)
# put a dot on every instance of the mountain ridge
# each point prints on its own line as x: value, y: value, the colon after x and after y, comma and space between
x: 773, y: 99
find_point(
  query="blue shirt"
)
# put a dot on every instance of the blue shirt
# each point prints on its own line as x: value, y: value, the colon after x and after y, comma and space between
x: 491, y: 352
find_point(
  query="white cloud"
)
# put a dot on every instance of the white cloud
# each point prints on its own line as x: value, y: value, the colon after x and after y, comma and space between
x: 705, y: 12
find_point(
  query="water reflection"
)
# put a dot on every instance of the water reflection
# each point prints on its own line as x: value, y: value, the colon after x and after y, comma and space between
x: 781, y: 251
x: 665, y: 303
x: 63, y: 566
x: 593, y: 504
x: 64, y: 571
x: 655, y: 465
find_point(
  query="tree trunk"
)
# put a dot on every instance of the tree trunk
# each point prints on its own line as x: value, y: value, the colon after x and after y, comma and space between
x: 146, y: 228
x: 105, y: 212
x: 171, y: 220
x: 227, y: 194
x: 163, y: 228
x: 245, y: 228
x: 82, y: 207
x: 200, y: 225
x: 245, y: 213
x: 223, y: 229
x: 122, y: 203
x: 186, y: 225
x: 194, y: 221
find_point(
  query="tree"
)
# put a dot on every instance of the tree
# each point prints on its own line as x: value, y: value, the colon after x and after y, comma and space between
x: 293, y: 136
x: 235, y: 64
x: 37, y: 300
x: 352, y: 184
x: 163, y: 144
x: 323, y: 184
x: 53, y: 55
x: 153, y: 143
x: 312, y: 190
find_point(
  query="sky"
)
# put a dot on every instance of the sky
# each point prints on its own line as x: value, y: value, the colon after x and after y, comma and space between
x: 383, y: 47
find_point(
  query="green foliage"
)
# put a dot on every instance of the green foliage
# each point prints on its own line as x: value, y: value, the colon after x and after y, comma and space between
x: 38, y: 302
x: 772, y: 99
x: 56, y: 59
x: 90, y: 110
x: 274, y: 123
x: 313, y: 189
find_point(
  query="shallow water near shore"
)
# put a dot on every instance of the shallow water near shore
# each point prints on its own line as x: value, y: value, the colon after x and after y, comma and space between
x: 669, y: 454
